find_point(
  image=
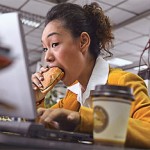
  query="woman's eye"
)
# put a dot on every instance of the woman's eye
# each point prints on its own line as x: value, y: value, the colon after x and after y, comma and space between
x: 45, y: 49
x: 54, y: 44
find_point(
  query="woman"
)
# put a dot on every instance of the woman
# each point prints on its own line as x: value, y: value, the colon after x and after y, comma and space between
x: 73, y: 39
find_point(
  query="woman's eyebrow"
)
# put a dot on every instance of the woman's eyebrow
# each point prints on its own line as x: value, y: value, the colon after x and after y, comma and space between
x: 51, y: 34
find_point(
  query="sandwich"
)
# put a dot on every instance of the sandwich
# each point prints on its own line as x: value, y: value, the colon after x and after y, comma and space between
x: 51, y: 78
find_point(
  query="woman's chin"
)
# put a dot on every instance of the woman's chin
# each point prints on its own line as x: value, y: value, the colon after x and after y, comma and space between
x: 68, y: 83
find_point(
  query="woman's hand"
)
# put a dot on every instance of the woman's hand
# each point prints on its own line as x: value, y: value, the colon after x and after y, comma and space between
x: 59, y: 118
x: 36, y: 83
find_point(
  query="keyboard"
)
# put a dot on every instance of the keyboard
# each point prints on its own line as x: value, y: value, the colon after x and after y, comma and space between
x: 35, y: 130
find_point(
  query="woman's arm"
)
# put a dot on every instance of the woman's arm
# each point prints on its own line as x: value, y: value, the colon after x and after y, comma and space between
x: 138, y: 134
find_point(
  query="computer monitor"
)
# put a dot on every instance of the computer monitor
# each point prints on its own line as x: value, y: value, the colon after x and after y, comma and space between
x: 15, y: 80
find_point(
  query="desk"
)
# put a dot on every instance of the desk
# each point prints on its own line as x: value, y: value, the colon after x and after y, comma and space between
x: 13, y: 142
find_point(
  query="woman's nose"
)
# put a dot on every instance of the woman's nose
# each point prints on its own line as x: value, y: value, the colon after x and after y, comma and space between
x: 49, y: 56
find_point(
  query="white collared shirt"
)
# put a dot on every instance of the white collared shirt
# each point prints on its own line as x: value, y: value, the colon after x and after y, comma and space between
x: 99, y: 76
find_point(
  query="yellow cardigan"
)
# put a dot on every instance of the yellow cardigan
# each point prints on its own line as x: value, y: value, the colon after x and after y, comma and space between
x: 138, y: 134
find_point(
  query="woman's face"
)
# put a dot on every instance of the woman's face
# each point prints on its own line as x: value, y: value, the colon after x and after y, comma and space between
x: 63, y: 51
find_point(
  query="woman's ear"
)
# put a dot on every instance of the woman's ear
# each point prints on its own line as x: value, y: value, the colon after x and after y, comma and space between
x: 84, y: 41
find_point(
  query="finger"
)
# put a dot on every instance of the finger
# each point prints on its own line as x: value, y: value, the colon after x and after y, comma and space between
x: 71, y: 117
x: 34, y: 86
x: 43, y: 69
x: 39, y: 75
x: 36, y: 80
x: 54, y: 114
x: 40, y: 111
x: 50, y: 115
x: 74, y: 117
x: 47, y: 115
x: 54, y: 124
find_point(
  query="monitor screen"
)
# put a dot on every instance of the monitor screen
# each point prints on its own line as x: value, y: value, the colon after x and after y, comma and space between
x: 16, y: 95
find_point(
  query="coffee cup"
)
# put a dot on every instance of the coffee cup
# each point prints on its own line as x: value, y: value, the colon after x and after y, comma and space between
x: 111, y: 105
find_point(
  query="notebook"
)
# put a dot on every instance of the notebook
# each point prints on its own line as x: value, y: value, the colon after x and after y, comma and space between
x: 16, y: 89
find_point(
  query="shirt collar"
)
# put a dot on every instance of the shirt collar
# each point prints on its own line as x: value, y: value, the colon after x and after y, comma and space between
x: 99, y: 76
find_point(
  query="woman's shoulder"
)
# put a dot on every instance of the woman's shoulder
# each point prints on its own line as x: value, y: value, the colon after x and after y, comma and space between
x: 117, y: 72
x: 116, y: 75
x: 120, y: 72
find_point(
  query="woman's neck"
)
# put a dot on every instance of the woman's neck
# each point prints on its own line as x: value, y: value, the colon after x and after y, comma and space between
x: 85, y: 76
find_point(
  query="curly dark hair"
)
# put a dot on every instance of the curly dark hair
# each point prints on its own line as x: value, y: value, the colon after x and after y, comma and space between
x: 90, y: 19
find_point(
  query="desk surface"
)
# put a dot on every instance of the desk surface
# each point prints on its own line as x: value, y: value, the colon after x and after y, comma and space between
x: 24, y: 143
